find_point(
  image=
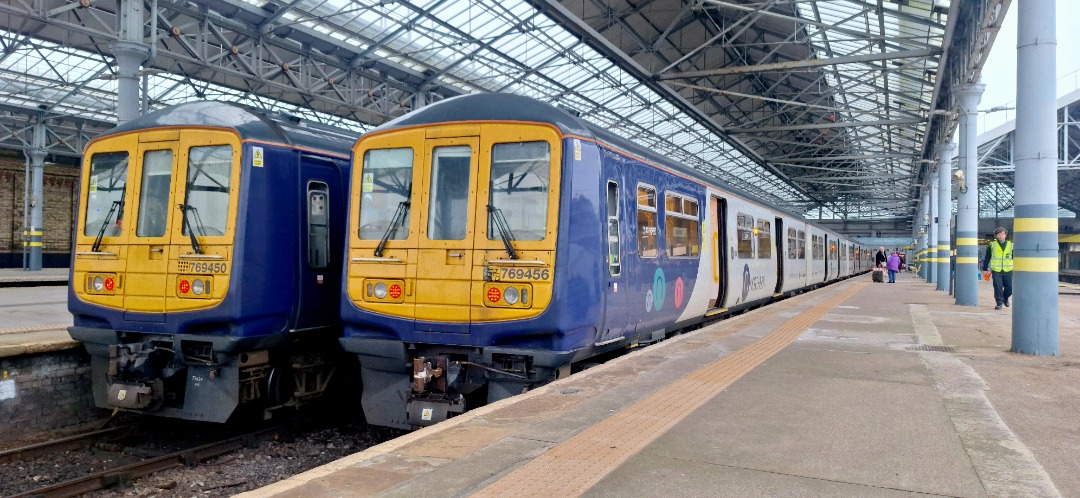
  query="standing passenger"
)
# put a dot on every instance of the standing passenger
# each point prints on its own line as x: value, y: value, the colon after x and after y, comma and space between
x: 998, y: 261
x: 879, y: 260
x: 893, y: 265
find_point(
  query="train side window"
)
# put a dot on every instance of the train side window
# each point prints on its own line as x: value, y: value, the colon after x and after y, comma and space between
x: 792, y: 244
x: 682, y: 226
x: 764, y: 240
x: 802, y: 244
x: 520, y: 174
x: 386, y: 188
x: 108, y: 180
x: 207, y: 193
x: 614, y: 244
x: 448, y: 207
x: 817, y: 247
x: 648, y: 233
x: 154, y: 193
x: 318, y: 219
x: 744, y: 224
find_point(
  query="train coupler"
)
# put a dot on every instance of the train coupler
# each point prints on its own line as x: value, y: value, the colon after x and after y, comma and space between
x: 424, y: 373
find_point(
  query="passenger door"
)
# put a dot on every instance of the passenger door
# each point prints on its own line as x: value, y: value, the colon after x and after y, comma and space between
x: 718, y: 220
x: 781, y: 254
x: 447, y: 221
x: 148, y: 250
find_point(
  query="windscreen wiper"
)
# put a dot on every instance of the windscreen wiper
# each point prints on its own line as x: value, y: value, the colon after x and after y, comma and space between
x: 116, y: 206
x: 504, y: 230
x: 399, y: 219
x: 185, y: 209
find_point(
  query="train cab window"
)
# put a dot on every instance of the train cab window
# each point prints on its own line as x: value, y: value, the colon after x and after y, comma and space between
x: 682, y: 226
x: 207, y: 195
x: 744, y: 224
x: 648, y: 233
x: 764, y: 240
x: 386, y: 187
x: 802, y: 244
x: 520, y: 178
x: 318, y: 221
x: 105, y: 194
x: 614, y: 244
x: 154, y: 193
x: 448, y: 206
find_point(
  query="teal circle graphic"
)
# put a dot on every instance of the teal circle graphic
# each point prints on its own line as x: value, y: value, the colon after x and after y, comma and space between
x: 659, y: 284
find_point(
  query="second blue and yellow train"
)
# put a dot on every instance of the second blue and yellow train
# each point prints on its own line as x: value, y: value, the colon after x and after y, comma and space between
x: 495, y: 241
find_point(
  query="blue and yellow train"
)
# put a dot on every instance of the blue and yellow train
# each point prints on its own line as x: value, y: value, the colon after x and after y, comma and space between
x: 207, y: 267
x: 494, y: 241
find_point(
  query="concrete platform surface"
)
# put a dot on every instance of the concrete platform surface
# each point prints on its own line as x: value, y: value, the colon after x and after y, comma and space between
x: 848, y: 408
x: 34, y: 320
x: 58, y: 276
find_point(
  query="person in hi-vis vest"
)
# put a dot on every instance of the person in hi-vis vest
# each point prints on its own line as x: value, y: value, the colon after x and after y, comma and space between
x: 998, y: 263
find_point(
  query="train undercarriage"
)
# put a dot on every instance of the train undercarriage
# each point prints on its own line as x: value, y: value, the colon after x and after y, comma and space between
x: 413, y: 386
x: 206, y: 378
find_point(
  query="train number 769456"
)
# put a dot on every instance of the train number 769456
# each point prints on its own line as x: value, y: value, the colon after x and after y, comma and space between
x: 499, y: 274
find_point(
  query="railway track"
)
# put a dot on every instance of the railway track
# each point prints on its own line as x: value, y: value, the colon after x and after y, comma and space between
x: 56, y: 445
x: 124, y: 474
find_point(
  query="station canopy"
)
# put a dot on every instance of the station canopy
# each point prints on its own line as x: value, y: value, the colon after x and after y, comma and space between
x: 830, y: 108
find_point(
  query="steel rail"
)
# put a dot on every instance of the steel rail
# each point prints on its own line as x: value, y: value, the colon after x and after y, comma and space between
x: 124, y: 474
x: 62, y: 444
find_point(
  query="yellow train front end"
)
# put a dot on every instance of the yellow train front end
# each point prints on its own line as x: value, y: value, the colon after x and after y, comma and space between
x: 153, y: 260
x: 451, y: 253
x: 153, y: 234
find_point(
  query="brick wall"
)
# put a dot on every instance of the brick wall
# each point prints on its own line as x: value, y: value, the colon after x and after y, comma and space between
x: 61, y: 188
x: 45, y: 391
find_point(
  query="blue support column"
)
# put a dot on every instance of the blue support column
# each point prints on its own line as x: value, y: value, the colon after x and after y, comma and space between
x: 1035, y: 277
x: 944, y: 222
x: 924, y: 235
x: 967, y: 206
x: 931, y: 261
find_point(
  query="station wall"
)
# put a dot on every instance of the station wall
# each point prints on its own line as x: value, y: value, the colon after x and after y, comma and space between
x: 61, y: 187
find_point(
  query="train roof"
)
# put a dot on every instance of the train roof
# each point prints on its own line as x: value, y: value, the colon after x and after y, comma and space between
x: 250, y: 123
x: 509, y: 107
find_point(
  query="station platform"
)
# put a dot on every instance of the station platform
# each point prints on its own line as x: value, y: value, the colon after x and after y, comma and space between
x: 34, y: 320
x: 45, y: 276
x: 857, y: 389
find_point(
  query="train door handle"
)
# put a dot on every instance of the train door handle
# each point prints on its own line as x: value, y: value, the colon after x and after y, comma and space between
x: 455, y: 254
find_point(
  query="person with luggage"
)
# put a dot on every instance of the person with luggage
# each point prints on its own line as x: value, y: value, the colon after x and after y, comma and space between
x: 997, y: 262
x: 880, y: 258
x: 893, y: 265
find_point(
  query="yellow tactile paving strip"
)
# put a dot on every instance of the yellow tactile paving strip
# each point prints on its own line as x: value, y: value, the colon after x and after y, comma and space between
x: 577, y: 464
x: 35, y: 328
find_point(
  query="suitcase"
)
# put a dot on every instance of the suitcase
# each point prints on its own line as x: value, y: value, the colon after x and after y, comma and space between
x: 878, y: 274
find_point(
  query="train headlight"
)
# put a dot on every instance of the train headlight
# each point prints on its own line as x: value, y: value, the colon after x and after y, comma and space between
x: 380, y: 290
x: 197, y: 287
x: 510, y: 295
x: 99, y: 284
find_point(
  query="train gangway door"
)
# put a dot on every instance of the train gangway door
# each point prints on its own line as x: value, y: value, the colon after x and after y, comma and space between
x: 447, y: 225
x: 146, y: 288
x: 616, y: 310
